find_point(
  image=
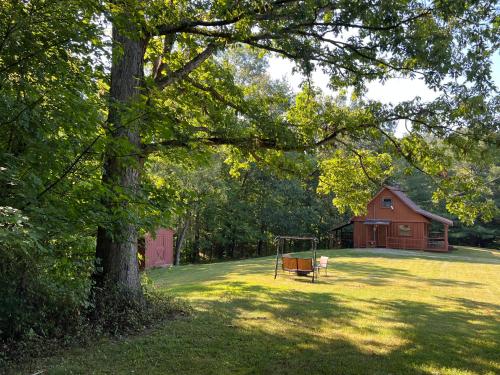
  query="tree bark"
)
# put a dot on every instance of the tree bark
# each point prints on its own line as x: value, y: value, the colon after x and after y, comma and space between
x: 196, y: 245
x: 117, y: 243
x: 260, y: 244
x: 233, y: 246
x: 180, y: 241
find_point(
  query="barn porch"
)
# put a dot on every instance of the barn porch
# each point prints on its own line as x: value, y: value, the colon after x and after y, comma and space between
x: 421, y: 236
x: 437, y: 240
x: 341, y: 236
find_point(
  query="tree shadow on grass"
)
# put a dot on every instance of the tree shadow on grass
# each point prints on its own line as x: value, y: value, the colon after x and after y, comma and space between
x: 286, y: 305
x: 460, y: 338
x: 377, y: 275
x: 215, y: 271
x: 276, y: 331
x: 411, y: 254
x: 362, y: 273
x: 463, y: 338
x: 251, y: 329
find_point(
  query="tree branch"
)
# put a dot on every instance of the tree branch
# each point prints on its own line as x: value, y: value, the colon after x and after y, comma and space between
x: 369, y: 27
x: 69, y: 169
x: 246, y: 142
x: 407, y: 157
x: 216, y: 95
x: 181, y: 73
x: 257, y: 14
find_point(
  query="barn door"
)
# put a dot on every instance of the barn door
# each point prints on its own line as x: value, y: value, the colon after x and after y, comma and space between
x: 381, y: 235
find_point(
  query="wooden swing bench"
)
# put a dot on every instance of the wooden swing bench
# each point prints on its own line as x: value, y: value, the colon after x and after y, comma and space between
x: 301, y: 266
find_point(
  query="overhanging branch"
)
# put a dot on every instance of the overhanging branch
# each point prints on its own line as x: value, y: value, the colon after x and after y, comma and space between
x: 181, y: 73
x: 244, y: 142
x: 216, y: 95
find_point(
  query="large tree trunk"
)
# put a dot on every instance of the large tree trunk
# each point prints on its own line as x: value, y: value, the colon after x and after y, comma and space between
x: 117, y: 243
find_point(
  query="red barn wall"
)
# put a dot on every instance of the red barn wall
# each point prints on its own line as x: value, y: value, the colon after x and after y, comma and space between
x: 359, y: 237
x: 159, y: 251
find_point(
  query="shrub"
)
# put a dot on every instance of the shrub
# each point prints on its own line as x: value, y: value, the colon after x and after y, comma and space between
x: 47, y: 299
x: 44, y: 295
x: 114, y: 313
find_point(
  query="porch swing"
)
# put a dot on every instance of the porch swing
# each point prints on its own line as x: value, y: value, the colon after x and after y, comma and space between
x: 299, y: 266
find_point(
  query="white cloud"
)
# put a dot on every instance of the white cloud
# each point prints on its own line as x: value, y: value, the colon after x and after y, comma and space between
x: 393, y: 91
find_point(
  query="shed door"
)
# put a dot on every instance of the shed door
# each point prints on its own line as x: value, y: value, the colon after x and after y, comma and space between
x: 159, y: 250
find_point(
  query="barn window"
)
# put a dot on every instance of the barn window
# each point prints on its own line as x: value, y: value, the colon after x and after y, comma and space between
x: 387, y: 202
x: 404, y: 230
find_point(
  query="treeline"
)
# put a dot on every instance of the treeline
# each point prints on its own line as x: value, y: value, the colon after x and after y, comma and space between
x: 238, y: 215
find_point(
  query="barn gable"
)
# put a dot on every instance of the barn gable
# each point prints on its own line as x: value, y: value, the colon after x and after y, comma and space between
x: 389, y: 206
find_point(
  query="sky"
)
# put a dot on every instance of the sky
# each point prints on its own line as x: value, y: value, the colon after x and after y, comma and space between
x: 391, y: 92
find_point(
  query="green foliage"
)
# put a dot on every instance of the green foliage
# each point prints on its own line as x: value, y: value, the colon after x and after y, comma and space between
x: 51, y: 111
x: 351, y: 178
x: 238, y: 215
x: 43, y: 288
x: 421, y: 189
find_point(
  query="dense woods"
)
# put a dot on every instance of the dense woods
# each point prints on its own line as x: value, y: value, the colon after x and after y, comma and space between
x: 117, y: 117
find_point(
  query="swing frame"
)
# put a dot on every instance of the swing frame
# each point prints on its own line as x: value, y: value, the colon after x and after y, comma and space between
x: 280, y: 245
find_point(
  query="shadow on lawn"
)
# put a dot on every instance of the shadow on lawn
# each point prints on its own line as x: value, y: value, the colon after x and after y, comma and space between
x: 252, y: 329
x: 212, y: 271
x: 374, y: 275
x: 431, y: 339
x: 286, y: 305
x: 464, y: 338
x: 413, y: 254
x: 377, y: 275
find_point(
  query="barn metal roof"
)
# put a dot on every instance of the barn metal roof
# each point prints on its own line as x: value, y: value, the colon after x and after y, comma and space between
x: 341, y: 226
x: 376, y: 222
x: 415, y: 207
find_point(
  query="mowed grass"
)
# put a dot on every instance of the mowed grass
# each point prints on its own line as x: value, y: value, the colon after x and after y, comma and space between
x: 377, y: 312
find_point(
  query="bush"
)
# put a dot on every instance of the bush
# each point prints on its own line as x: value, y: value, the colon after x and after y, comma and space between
x: 44, y: 295
x: 39, y: 291
x: 47, y: 299
x: 115, y: 313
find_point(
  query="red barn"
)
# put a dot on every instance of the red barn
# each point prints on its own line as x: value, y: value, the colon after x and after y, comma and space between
x: 158, y: 251
x: 395, y: 221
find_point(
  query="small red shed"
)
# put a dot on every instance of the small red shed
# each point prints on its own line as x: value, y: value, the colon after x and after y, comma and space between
x: 393, y: 220
x: 159, y: 250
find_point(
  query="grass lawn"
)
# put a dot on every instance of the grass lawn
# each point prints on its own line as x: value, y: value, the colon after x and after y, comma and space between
x: 377, y: 312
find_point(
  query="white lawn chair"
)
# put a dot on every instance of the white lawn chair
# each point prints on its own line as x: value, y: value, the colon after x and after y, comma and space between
x: 323, y: 263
